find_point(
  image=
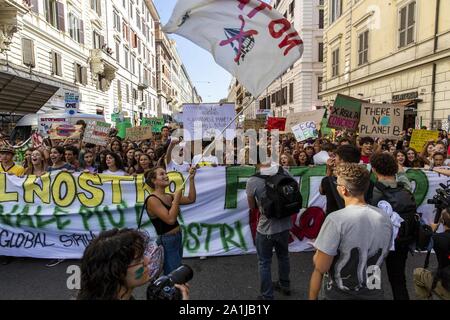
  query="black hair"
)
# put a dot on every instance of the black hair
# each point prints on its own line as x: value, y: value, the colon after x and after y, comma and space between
x: 117, y: 160
x: 366, y: 140
x: 349, y: 153
x: 384, y: 164
x: 105, y: 262
x: 74, y: 150
x: 165, y: 127
x: 59, y: 149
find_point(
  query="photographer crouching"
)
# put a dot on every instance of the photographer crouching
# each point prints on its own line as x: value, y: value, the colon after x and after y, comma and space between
x: 427, y: 283
x: 114, y: 264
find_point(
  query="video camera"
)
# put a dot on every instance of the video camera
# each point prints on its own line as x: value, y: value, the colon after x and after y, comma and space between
x: 441, y: 200
x: 163, y: 288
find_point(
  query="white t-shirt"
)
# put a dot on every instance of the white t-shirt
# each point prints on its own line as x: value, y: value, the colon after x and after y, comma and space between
x: 207, y: 161
x: 115, y: 173
x: 173, y: 166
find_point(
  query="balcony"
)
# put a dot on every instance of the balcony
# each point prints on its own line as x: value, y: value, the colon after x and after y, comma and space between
x: 103, y: 66
x: 11, y: 12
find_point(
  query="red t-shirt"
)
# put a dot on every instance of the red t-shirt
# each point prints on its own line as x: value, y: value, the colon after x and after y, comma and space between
x: 365, y: 159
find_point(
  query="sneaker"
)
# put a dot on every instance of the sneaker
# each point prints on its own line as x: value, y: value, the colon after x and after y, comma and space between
x: 277, y: 287
x: 54, y: 262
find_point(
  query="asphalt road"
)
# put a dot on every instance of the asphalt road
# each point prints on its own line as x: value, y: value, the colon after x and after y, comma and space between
x: 216, y: 278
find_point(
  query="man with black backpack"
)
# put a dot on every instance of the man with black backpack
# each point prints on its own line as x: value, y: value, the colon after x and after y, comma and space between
x: 401, y: 201
x: 277, y: 196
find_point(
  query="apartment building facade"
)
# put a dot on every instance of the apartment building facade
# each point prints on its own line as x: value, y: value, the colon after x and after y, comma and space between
x: 390, y: 52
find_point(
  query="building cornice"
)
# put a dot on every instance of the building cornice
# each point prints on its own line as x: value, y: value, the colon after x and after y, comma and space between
x: 363, y: 18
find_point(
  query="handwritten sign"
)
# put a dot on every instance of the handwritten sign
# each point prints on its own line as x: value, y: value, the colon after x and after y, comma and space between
x: 204, y: 120
x: 345, y: 113
x: 275, y: 123
x: 304, y: 131
x: 121, y: 126
x: 65, y: 131
x: 71, y: 101
x: 97, y: 133
x: 46, y: 122
x: 254, y: 124
x: 293, y: 119
x: 155, y: 123
x: 420, y: 138
x: 139, y: 133
x: 381, y: 120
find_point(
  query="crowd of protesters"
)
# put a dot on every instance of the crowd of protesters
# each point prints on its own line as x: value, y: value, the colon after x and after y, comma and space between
x: 346, y: 187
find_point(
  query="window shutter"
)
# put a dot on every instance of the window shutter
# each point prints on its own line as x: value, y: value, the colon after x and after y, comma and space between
x: 58, y: 64
x: 99, y: 7
x: 61, y: 17
x: 102, y: 41
x: 35, y: 5
x: 84, y: 75
x: 81, y: 31
x: 28, y: 52
x: 77, y: 67
x: 53, y: 57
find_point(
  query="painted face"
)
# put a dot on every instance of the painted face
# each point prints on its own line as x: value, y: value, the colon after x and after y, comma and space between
x: 161, y: 179
x: 411, y: 155
x: 110, y: 161
x: 401, y: 158
x: 144, y: 161
x: 55, y: 156
x: 438, y: 160
x: 88, y: 159
x: 137, y: 273
x: 36, y: 157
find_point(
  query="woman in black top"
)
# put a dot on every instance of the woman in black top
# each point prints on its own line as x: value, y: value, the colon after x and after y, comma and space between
x: 163, y: 210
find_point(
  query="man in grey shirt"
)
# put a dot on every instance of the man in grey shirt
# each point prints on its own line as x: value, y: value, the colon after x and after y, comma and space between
x: 352, y: 244
x: 271, y: 233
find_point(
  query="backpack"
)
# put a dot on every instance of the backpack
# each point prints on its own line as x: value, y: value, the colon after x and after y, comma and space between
x: 283, y: 197
x: 402, y: 202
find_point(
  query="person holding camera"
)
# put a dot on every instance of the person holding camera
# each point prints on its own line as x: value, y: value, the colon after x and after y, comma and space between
x: 163, y: 210
x: 427, y: 283
x: 114, y: 264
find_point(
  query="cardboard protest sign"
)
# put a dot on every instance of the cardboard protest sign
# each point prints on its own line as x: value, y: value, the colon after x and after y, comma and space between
x: 315, y: 116
x: 420, y: 138
x: 305, y: 130
x: 381, y: 121
x: 276, y: 123
x: 65, y: 131
x: 45, y: 123
x: 155, y: 123
x: 254, y: 124
x: 139, y: 133
x: 122, y: 126
x: 97, y: 133
x: 345, y: 113
x: 71, y: 102
x: 204, y: 120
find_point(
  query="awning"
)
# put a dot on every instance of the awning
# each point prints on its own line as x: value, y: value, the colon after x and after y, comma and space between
x: 22, y: 96
x: 408, y: 103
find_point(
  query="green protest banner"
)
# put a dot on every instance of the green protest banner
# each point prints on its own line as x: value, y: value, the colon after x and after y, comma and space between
x: 155, y: 123
x: 122, y: 127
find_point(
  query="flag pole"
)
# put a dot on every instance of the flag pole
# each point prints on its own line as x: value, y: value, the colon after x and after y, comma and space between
x: 226, y: 127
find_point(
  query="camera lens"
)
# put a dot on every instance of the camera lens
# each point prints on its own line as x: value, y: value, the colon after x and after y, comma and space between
x: 181, y: 275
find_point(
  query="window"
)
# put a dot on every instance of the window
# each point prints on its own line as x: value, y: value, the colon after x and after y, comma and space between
x: 363, y: 47
x: 80, y: 74
x: 291, y: 92
x: 119, y: 90
x: 319, y: 86
x: 118, y: 52
x: 56, y: 63
x: 54, y: 14
x: 133, y: 65
x: 131, y: 10
x: 76, y: 28
x: 320, y: 52
x: 407, y: 24
x: 138, y: 19
x: 116, y: 21
x: 96, y: 5
x: 335, y: 10
x: 321, y: 18
x: 28, y: 53
x: 126, y: 57
x: 128, y: 93
x: 97, y: 40
x: 335, y: 63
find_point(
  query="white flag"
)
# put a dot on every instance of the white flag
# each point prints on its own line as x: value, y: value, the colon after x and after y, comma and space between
x: 248, y: 38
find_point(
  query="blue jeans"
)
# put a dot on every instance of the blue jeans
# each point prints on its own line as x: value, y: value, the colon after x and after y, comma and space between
x: 264, y: 250
x: 173, y: 251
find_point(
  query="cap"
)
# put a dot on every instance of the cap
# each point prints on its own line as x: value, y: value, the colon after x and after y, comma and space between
x: 7, y: 149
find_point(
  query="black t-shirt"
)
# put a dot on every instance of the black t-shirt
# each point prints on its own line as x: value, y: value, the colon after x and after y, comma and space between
x: 442, y: 248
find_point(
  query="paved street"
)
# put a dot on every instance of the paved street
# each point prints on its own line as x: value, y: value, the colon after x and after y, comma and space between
x: 222, y: 278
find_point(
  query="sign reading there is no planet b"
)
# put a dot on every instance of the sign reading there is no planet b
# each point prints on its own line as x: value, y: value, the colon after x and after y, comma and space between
x: 381, y: 120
